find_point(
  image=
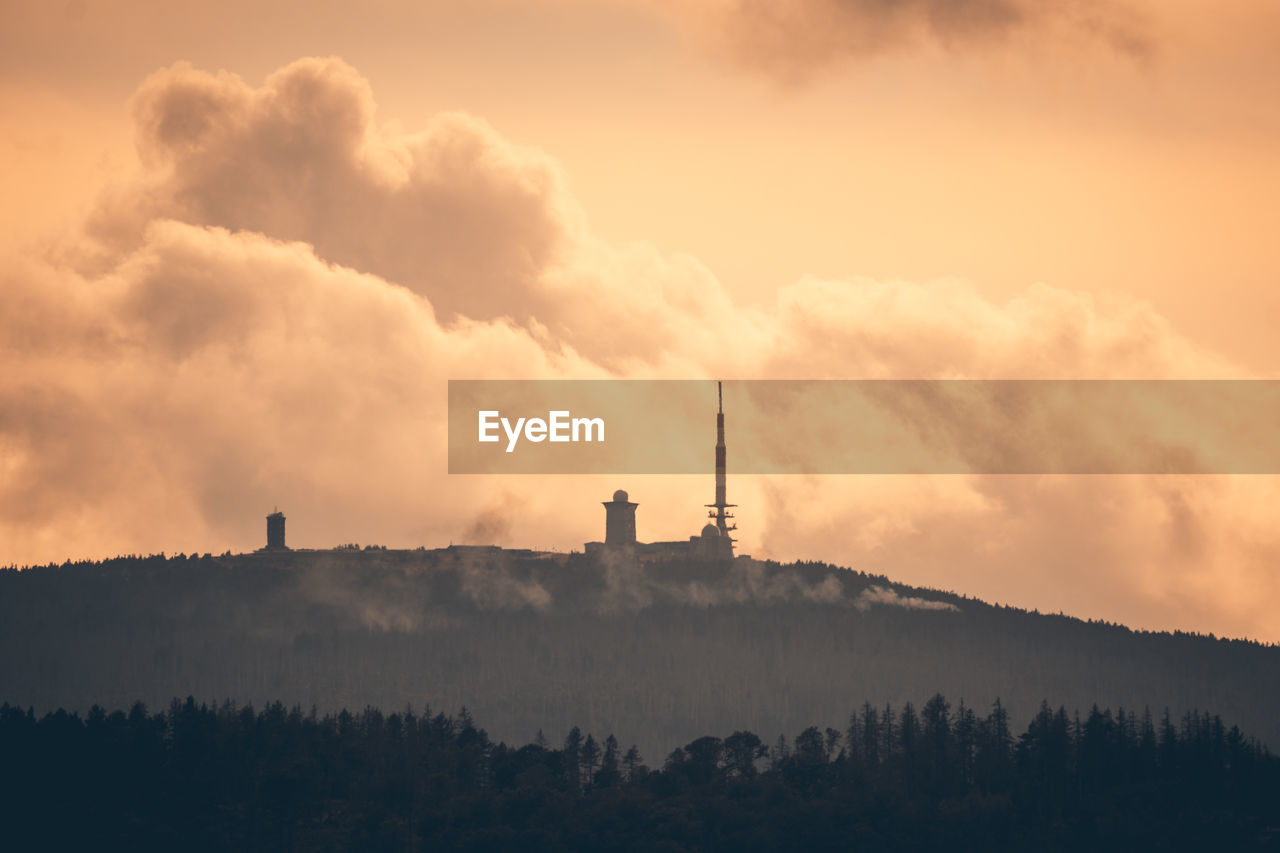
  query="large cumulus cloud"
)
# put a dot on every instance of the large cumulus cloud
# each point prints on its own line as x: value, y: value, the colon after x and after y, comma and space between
x: 480, y: 227
x: 209, y: 373
x: 270, y: 312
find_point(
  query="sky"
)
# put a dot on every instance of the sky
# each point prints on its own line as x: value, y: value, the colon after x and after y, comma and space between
x: 243, y: 247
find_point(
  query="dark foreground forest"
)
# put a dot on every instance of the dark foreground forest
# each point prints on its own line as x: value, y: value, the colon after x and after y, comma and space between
x: 933, y: 778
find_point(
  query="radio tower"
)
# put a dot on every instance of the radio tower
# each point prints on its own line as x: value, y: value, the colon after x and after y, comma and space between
x: 718, y: 509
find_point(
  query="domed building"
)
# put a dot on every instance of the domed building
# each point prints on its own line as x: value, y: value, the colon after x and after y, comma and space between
x: 711, y: 545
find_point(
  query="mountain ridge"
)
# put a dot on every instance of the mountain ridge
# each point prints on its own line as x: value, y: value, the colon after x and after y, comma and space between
x: 533, y: 641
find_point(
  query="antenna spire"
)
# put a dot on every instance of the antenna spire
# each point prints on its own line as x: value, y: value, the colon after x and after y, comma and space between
x: 719, y: 509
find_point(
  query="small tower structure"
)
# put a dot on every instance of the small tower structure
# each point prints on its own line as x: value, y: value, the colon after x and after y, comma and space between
x: 620, y: 521
x: 275, y: 531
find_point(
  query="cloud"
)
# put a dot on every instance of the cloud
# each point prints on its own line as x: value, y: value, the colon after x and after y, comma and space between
x: 631, y: 585
x: 482, y: 228
x: 454, y: 213
x: 209, y: 372
x: 384, y: 598
x: 793, y: 40
x: 379, y: 590
x: 873, y: 595
x: 947, y: 329
x: 270, y: 313
x: 493, y: 523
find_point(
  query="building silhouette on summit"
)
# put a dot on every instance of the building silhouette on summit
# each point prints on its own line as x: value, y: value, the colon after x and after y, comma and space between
x: 714, y: 542
x: 275, y: 532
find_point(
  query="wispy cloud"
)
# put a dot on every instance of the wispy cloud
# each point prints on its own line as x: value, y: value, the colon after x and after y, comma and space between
x: 794, y: 40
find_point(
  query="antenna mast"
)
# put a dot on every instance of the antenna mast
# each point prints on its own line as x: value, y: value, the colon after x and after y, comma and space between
x: 718, y: 510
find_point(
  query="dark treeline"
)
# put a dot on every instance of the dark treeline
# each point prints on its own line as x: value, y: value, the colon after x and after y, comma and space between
x: 928, y: 778
x: 664, y: 652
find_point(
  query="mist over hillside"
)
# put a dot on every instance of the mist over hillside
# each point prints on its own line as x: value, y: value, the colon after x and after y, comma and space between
x: 658, y: 653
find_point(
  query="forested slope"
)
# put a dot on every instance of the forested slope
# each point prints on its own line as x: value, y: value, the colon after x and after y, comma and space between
x: 664, y: 652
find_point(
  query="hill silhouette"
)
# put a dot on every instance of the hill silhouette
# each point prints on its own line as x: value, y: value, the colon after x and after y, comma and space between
x: 664, y: 652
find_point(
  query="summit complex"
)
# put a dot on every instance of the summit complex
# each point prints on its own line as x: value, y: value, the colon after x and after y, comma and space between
x: 714, y: 542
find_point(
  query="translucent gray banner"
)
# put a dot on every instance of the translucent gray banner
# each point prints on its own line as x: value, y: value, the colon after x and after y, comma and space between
x: 866, y: 426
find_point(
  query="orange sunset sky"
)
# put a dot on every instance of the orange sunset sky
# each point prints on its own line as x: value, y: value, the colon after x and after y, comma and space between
x: 244, y: 245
